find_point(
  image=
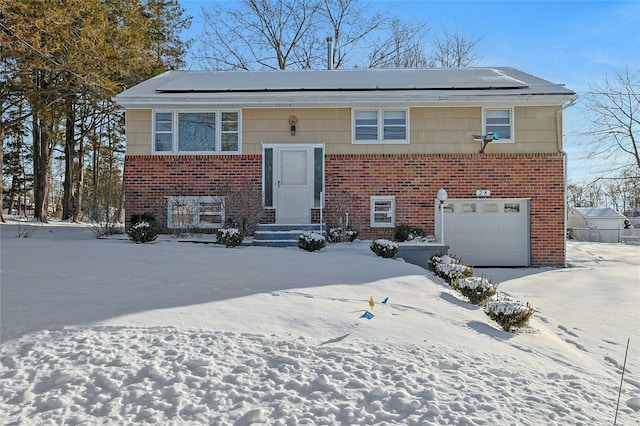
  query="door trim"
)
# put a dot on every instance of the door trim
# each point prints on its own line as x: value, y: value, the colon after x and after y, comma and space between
x: 276, y: 147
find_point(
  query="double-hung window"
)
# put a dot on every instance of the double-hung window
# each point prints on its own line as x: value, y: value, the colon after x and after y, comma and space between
x: 196, y: 132
x: 499, y: 121
x: 380, y: 126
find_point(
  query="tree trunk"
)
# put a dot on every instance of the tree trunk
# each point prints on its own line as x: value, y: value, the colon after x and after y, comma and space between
x: 79, y: 183
x: 69, y: 157
x: 96, y: 200
x: 42, y: 158
x: 1, y: 167
x: 13, y: 191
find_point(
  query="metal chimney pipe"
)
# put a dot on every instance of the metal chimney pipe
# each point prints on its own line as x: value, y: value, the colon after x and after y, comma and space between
x: 329, y: 53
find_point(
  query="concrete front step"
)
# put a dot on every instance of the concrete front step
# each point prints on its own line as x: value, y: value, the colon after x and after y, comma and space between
x: 275, y: 243
x: 283, y: 235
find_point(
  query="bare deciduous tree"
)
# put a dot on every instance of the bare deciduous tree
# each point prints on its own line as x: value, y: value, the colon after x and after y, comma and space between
x: 286, y: 34
x: 454, y: 50
x: 350, y: 25
x: 256, y: 34
x: 402, y: 47
x: 614, y: 135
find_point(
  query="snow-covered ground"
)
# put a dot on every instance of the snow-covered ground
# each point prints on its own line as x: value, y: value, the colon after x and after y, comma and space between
x: 109, y: 332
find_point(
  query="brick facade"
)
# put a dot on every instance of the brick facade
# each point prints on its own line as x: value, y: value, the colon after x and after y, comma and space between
x: 351, y: 179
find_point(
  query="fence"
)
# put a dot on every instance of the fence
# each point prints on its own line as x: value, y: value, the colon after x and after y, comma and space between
x: 595, y: 235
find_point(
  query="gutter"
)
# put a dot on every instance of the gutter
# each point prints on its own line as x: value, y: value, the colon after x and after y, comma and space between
x: 406, y: 99
x: 559, y: 126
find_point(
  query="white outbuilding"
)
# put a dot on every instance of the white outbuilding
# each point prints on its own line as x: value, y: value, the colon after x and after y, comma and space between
x: 601, y: 224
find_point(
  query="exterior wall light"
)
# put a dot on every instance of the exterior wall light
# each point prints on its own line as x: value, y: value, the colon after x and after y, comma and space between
x: 485, y: 139
x: 293, y: 121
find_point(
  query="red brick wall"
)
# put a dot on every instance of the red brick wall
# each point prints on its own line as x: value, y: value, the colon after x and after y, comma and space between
x: 150, y: 179
x: 413, y: 179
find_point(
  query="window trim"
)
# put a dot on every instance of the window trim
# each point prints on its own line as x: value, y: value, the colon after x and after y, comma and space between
x: 380, y: 126
x: 175, y: 129
x: 373, y: 200
x: 196, y: 201
x: 511, y: 123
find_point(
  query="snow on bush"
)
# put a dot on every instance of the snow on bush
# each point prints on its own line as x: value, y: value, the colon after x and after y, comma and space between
x: 144, y: 230
x: 339, y: 235
x: 477, y: 289
x: 230, y: 237
x: 384, y: 248
x: 311, y: 241
x: 508, y: 313
x: 449, y: 268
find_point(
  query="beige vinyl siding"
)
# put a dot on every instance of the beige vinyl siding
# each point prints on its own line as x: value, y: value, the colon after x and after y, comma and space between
x: 138, y: 131
x: 536, y: 128
x: 431, y: 129
x: 323, y: 125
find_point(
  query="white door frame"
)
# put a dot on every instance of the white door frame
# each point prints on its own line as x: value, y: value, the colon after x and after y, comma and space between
x: 305, y: 195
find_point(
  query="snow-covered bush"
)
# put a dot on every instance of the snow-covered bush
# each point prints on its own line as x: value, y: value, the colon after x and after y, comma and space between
x: 449, y: 268
x: 384, y: 248
x: 405, y: 232
x: 311, y: 241
x: 230, y: 237
x: 477, y: 289
x: 508, y: 313
x: 144, y: 229
x: 339, y: 235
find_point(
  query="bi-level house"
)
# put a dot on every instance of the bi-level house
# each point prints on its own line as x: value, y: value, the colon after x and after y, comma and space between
x: 371, y: 146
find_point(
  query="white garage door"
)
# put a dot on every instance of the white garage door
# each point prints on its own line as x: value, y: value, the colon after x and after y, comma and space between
x: 486, y: 232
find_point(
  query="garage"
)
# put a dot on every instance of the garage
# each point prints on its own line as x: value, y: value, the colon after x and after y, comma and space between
x: 486, y: 232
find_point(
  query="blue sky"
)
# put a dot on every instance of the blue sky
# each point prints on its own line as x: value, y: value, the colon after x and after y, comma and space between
x: 576, y: 43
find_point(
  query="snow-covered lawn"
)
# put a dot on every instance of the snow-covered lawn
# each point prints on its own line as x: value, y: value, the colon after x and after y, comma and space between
x: 109, y: 332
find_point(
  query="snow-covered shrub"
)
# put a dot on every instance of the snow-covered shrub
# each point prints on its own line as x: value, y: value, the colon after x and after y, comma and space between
x: 230, y: 237
x: 384, y: 248
x: 144, y: 229
x: 339, y: 235
x: 405, y: 232
x: 449, y: 268
x: 477, y: 289
x: 508, y: 313
x: 311, y: 241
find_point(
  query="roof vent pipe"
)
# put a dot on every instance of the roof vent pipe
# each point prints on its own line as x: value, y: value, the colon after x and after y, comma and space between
x: 329, y: 53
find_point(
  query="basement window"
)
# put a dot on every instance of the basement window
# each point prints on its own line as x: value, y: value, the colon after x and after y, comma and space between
x: 383, y: 212
x: 195, y: 212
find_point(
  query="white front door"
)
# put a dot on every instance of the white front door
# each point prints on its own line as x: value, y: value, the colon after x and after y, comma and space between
x: 293, y: 184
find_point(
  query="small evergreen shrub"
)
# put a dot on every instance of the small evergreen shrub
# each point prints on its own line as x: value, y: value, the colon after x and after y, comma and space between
x: 477, y: 289
x: 144, y: 217
x: 144, y: 229
x: 405, y: 232
x: 339, y: 235
x: 230, y: 237
x: 449, y: 268
x: 384, y: 248
x: 508, y: 313
x: 311, y: 241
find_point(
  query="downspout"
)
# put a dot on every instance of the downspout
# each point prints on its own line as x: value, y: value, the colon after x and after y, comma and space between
x: 559, y: 136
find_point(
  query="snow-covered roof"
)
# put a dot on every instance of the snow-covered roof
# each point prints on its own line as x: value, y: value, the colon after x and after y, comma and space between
x: 344, y: 87
x: 598, y: 213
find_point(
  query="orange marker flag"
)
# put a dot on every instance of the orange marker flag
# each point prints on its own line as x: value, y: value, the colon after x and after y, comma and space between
x: 371, y: 302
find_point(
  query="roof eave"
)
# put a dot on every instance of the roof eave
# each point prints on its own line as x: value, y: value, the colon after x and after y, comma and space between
x: 338, y: 99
